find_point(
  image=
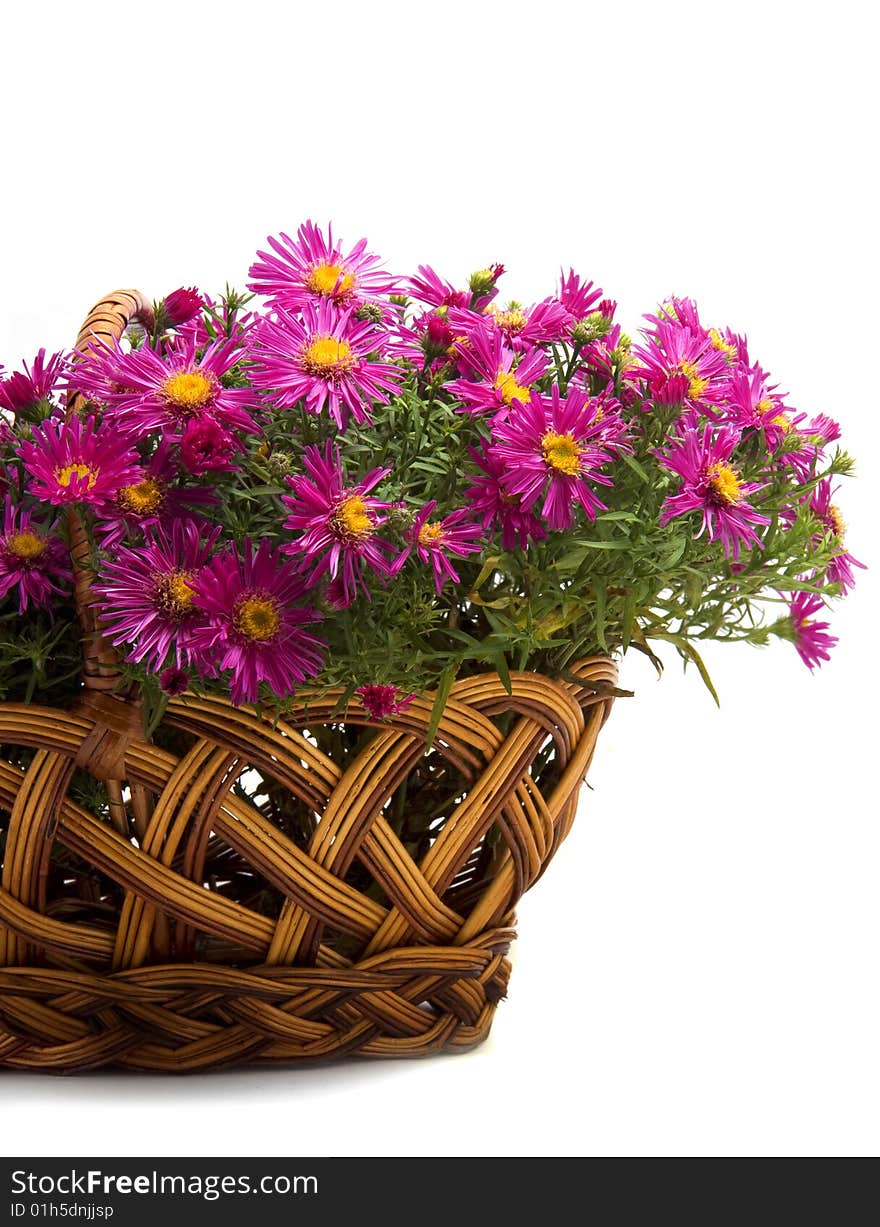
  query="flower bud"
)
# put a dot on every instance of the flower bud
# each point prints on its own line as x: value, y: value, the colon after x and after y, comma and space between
x: 483, y: 280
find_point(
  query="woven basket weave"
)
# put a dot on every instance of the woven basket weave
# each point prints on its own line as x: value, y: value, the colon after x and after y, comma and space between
x: 189, y: 930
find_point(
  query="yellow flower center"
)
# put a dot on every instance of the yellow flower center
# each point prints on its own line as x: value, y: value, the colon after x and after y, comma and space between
x: 511, y: 321
x: 836, y: 521
x: 189, y: 390
x: 326, y: 356
x: 505, y: 383
x: 330, y: 280
x: 431, y: 534
x: 696, y: 385
x: 724, y: 483
x: 174, y: 592
x: 782, y: 421
x: 64, y: 476
x: 561, y: 453
x: 256, y: 617
x: 27, y: 546
x: 719, y: 343
x: 764, y: 406
x: 351, y: 519
x: 143, y: 498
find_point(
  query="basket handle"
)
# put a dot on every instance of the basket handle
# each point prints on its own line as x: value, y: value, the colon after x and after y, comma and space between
x: 104, y: 324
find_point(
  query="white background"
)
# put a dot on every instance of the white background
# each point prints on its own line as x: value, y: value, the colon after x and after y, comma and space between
x: 697, y: 972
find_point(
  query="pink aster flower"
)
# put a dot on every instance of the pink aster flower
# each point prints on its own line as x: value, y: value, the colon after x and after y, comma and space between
x: 174, y: 681
x: 555, y: 447
x: 153, y: 500
x: 205, y: 447
x: 147, y: 391
x: 145, y: 596
x: 380, y: 701
x: 495, y: 507
x: 322, y: 359
x: 811, y: 638
x: 520, y: 327
x: 754, y: 404
x: 255, y: 623
x: 435, y: 540
x: 712, y: 486
x: 840, y: 569
x: 578, y: 297
x: 337, y: 523
x: 32, y: 559
x: 23, y: 390
x: 180, y: 306
x: 502, y: 376
x: 681, y: 367
x: 432, y: 289
x: 312, y: 269
x: 77, y: 462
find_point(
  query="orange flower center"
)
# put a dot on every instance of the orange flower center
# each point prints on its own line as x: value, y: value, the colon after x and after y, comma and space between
x: 330, y: 281
x: 143, y: 498
x: 505, y: 383
x: 352, y: 520
x: 512, y: 321
x: 724, y: 483
x: 174, y: 592
x: 696, y: 384
x: 327, y: 357
x: 836, y: 521
x: 257, y: 618
x: 561, y: 453
x: 718, y: 342
x: 82, y: 472
x: 27, y: 546
x: 431, y: 534
x: 188, y: 391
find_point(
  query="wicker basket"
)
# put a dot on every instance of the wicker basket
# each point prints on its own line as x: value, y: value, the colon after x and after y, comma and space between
x: 190, y: 930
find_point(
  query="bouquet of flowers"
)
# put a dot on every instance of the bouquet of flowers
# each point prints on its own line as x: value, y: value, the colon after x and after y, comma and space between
x: 350, y: 479
x: 310, y: 602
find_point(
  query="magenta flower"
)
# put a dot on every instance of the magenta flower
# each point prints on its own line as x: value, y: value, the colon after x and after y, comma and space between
x: 578, y: 297
x: 323, y: 360
x: 495, y: 507
x: 435, y: 540
x: 681, y: 367
x: 753, y: 404
x: 502, y: 376
x: 32, y: 559
x: 255, y: 623
x: 311, y: 270
x: 153, y: 500
x: 146, y: 391
x: 338, y: 523
x: 23, y: 390
x: 828, y: 514
x: 145, y: 595
x: 711, y: 485
x: 811, y: 638
x: 205, y: 447
x: 174, y: 681
x: 180, y: 306
x: 75, y: 462
x: 520, y: 327
x: 554, y: 448
x: 380, y: 701
x: 432, y: 289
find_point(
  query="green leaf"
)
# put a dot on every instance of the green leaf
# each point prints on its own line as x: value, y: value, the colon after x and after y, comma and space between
x: 633, y: 464
x: 447, y: 677
x: 675, y: 554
